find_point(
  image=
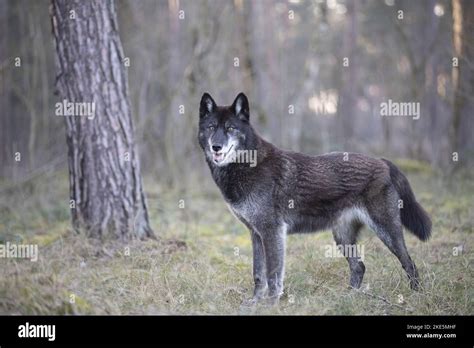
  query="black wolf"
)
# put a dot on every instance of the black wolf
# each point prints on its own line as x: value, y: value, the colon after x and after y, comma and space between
x: 288, y: 192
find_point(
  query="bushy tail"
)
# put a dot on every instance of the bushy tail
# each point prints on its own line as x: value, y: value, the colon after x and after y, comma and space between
x: 414, y: 217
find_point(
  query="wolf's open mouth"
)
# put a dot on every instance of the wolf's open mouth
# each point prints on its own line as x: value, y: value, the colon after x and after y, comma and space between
x: 219, y: 157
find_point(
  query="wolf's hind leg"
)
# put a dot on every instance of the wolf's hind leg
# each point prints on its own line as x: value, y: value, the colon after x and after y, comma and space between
x: 388, y: 227
x: 345, y: 236
x: 392, y: 237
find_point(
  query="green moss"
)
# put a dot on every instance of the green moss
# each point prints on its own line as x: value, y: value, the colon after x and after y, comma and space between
x: 407, y: 165
x: 48, y: 238
x: 80, y: 305
x: 456, y: 205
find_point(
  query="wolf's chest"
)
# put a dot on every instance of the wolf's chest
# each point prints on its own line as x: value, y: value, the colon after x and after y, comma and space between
x: 247, y: 211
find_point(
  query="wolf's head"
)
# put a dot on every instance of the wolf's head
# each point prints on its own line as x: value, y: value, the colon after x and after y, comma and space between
x: 224, y: 130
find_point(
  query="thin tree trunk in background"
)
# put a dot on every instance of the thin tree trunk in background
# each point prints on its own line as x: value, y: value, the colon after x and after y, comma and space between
x: 347, y: 98
x: 467, y: 80
x: 462, y: 76
x: 30, y: 99
x: 173, y: 100
x: 244, y: 10
x: 457, y: 45
x: 257, y: 22
x: 273, y: 81
x: 105, y: 183
x: 6, y: 155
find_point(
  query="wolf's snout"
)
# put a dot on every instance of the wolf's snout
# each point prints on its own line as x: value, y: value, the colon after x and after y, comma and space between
x: 216, y: 148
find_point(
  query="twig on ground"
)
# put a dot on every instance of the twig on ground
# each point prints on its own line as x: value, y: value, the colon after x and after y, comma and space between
x: 384, y: 300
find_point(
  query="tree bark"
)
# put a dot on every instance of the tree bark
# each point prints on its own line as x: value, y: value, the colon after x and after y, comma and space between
x: 347, y: 97
x: 462, y: 75
x: 6, y: 152
x: 107, y: 198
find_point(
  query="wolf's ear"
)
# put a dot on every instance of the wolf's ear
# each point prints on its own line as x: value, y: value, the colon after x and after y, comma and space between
x: 241, y: 107
x: 208, y: 105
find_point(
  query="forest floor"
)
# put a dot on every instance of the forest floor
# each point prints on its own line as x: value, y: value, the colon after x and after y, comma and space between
x: 202, y: 262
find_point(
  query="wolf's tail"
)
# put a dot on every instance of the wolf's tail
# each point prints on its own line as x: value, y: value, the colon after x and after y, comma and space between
x: 414, y: 217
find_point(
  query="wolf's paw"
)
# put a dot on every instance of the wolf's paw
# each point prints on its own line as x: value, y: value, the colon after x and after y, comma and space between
x: 251, y: 302
x: 249, y: 305
x: 357, y: 275
x: 415, y: 284
x: 271, y: 301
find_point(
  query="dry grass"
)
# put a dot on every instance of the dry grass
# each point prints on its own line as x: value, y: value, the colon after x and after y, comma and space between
x: 211, y: 274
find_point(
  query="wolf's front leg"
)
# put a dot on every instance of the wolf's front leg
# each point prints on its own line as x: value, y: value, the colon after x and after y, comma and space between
x: 259, y: 269
x: 274, y: 246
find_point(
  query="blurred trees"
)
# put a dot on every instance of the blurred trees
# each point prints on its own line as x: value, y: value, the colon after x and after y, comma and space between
x: 29, y: 133
x: 288, y: 56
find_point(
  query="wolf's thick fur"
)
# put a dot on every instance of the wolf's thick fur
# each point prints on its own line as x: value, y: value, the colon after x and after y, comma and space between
x: 290, y: 192
x: 414, y: 217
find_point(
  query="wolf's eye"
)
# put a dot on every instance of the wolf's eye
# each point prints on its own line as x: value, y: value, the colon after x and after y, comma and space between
x: 211, y: 128
x: 230, y: 129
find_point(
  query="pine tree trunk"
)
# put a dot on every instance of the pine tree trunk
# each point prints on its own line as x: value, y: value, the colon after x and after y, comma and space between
x: 347, y: 96
x: 6, y: 153
x: 462, y: 75
x: 106, y: 191
x: 457, y: 45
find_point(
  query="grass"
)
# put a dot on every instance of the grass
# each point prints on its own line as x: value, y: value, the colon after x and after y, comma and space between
x: 202, y: 262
